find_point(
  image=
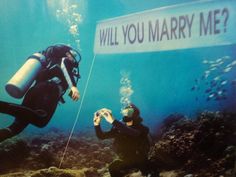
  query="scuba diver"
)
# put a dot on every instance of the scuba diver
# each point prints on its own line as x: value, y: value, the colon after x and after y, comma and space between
x: 131, y: 141
x: 53, y: 71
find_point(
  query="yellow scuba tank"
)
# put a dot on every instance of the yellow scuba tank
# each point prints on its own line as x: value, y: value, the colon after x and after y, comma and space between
x: 18, y: 85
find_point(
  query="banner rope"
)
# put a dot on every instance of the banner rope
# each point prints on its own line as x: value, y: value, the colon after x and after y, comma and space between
x: 78, y: 113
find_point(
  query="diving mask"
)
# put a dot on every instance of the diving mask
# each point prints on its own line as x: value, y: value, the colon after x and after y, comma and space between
x: 127, y: 112
x: 76, y: 55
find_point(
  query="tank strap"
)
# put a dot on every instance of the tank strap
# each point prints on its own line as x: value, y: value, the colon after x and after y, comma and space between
x: 61, y: 89
x: 40, y: 57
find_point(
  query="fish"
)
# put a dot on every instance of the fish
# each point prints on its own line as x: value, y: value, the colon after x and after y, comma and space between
x: 227, y: 69
x: 205, y: 61
x: 207, y: 73
x: 211, y: 62
x: 211, y: 96
x: 233, y: 63
x: 219, y: 60
x: 217, y: 78
x: 224, y: 82
x: 226, y: 57
x: 205, y: 76
x: 214, y: 68
x: 214, y: 65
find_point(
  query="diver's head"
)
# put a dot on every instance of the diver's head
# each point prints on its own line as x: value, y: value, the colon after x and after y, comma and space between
x: 63, y: 50
x: 131, y: 115
x: 72, y: 54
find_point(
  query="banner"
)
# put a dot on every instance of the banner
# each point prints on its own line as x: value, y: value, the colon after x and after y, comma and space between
x: 190, y: 25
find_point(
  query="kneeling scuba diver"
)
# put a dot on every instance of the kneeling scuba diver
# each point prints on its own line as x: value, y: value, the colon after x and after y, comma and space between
x: 54, y: 70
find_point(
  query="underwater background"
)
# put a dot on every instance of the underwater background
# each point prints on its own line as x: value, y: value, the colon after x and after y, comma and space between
x: 186, y: 81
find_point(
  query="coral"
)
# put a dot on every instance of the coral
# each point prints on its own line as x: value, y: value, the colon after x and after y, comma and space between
x: 50, y: 172
x: 206, y: 144
x: 183, y: 147
x: 13, y: 151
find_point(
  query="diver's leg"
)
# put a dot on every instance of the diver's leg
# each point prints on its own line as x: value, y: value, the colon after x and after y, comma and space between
x: 118, y: 168
x: 44, y: 96
x: 19, y: 111
x: 15, y: 128
x: 143, y: 166
x: 5, y: 133
x: 147, y: 167
x: 4, y: 107
x: 114, y: 168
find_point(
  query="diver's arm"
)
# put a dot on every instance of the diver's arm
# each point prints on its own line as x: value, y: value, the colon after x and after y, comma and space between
x: 118, y: 125
x: 103, y: 135
x: 96, y: 122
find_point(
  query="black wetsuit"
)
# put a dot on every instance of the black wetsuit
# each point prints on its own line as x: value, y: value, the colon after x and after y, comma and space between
x: 48, y: 90
x: 131, y: 144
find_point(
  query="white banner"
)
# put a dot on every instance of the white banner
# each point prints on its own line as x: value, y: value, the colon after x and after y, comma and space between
x: 197, y: 24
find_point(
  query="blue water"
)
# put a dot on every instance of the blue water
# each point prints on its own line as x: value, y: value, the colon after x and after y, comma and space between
x: 161, y: 81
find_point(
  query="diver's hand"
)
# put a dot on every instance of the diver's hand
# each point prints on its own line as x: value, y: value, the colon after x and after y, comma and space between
x: 97, y: 118
x: 75, y: 95
x: 105, y: 110
x: 106, y: 113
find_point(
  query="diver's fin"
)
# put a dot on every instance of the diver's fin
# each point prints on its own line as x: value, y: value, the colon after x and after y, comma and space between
x: 21, y: 112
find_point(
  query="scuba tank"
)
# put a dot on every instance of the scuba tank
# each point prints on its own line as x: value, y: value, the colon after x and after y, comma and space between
x: 18, y: 85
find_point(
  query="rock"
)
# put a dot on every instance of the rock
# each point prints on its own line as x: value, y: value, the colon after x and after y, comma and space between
x: 169, y: 174
x: 184, y: 144
x: 91, y: 172
x: 50, y: 172
x: 201, y: 147
x: 230, y: 149
x: 13, y: 151
x: 189, y: 175
x: 134, y: 174
x: 55, y: 172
